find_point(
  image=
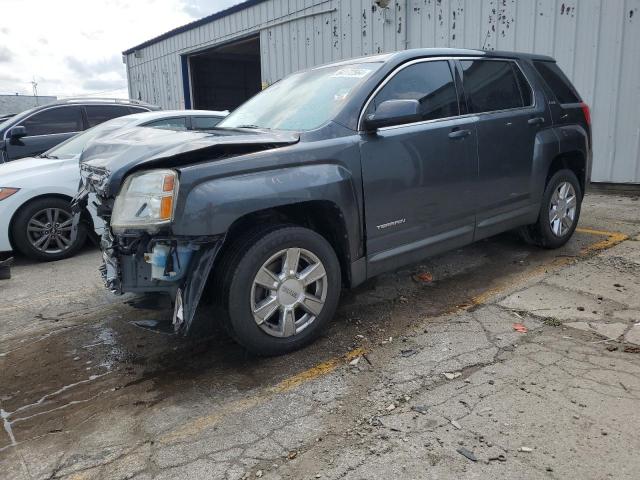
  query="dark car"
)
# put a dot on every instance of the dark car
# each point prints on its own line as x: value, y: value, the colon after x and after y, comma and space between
x: 37, y: 130
x: 334, y: 175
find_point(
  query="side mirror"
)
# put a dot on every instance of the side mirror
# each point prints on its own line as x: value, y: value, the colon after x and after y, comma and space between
x: 18, y: 132
x: 393, y: 112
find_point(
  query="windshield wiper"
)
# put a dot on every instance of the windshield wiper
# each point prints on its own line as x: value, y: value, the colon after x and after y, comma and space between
x: 44, y: 155
x: 250, y: 126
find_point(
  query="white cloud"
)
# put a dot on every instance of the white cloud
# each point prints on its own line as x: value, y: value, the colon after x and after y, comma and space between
x: 73, y: 47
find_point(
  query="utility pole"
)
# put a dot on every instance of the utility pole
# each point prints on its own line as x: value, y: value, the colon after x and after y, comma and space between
x: 34, y: 85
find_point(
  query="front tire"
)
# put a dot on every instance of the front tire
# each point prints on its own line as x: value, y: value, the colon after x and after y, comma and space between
x: 41, y: 230
x: 559, y: 212
x: 279, y: 288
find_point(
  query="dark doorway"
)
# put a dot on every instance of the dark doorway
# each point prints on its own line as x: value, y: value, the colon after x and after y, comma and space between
x: 222, y: 78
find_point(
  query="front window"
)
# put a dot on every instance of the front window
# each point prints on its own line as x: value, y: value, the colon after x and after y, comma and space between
x: 431, y: 83
x: 302, y: 101
x: 53, y: 121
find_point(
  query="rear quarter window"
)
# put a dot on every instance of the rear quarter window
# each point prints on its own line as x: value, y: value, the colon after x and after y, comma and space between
x: 557, y: 82
x: 493, y: 85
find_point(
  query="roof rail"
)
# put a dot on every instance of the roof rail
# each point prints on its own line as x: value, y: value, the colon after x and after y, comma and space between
x: 102, y: 99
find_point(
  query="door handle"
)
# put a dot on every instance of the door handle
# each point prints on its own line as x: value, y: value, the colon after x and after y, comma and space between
x: 458, y: 134
x: 536, y: 121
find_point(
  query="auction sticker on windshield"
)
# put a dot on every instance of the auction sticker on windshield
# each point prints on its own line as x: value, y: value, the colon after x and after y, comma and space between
x: 351, y: 73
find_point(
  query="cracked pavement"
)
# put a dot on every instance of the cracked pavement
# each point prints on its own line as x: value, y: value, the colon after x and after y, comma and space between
x: 85, y: 394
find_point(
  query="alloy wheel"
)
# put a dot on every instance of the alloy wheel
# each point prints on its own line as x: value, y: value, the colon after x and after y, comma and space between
x: 288, y: 292
x: 562, y: 209
x: 49, y: 230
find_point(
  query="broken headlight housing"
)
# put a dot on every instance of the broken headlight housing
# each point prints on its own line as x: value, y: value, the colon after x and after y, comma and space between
x: 145, y: 202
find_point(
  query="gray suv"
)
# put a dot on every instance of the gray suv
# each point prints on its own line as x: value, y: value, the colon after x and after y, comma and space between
x: 334, y: 175
x: 37, y: 130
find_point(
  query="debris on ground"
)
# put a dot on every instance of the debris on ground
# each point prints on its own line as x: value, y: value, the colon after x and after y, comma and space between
x: 355, y: 361
x: 467, y: 453
x: 5, y: 268
x: 456, y: 424
x: 259, y: 474
x: 391, y: 407
x: 292, y: 455
x: 375, y: 422
x: 519, y: 327
x: 499, y: 458
x: 525, y: 449
x: 631, y: 349
x: 424, y: 277
x: 420, y: 409
x: 409, y: 352
x: 452, y: 375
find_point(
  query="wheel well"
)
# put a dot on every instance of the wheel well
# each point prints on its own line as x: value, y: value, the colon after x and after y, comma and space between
x: 86, y: 216
x: 574, y: 161
x: 323, y: 217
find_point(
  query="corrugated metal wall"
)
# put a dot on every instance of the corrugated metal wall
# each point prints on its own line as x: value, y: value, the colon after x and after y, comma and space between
x: 597, y: 43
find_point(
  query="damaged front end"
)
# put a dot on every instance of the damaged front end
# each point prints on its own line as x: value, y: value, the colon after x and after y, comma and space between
x: 149, y: 259
x: 134, y: 175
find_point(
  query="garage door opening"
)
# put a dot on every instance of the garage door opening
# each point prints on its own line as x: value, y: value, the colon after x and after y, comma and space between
x: 222, y: 78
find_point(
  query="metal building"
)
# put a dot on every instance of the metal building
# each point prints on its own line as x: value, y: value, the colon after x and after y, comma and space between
x: 12, y: 104
x: 220, y: 60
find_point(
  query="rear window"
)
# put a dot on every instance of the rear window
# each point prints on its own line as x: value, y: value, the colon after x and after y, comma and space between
x: 96, y: 114
x: 557, y: 82
x: 492, y: 85
x: 204, y: 123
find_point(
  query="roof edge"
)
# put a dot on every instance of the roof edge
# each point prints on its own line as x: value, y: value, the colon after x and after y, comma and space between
x: 195, y: 24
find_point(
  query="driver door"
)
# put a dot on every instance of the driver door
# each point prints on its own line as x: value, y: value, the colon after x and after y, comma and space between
x: 419, y: 178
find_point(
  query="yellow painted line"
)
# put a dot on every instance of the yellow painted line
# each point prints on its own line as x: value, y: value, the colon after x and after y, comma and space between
x: 613, y: 239
x: 317, y: 371
x: 200, y: 424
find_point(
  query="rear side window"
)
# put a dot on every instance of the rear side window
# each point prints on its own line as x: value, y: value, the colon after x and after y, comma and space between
x: 96, y: 114
x: 431, y: 83
x: 137, y: 110
x: 204, y: 123
x: 174, y: 123
x: 557, y: 82
x: 54, y: 120
x: 492, y: 85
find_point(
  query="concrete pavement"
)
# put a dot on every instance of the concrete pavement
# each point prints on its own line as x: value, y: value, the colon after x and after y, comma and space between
x: 412, y: 380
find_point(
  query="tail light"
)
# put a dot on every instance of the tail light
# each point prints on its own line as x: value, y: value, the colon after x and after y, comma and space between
x: 587, y: 113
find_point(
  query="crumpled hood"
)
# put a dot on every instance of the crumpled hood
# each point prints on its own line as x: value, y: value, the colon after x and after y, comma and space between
x: 18, y: 173
x: 123, y: 151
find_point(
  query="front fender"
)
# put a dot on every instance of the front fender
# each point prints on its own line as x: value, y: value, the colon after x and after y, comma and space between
x: 210, y: 207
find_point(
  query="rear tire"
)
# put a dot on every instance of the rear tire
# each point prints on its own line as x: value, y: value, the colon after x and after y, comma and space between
x: 41, y: 230
x: 293, y: 308
x: 559, y: 212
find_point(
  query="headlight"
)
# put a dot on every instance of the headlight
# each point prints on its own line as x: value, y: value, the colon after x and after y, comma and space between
x: 146, y: 201
x: 6, y: 192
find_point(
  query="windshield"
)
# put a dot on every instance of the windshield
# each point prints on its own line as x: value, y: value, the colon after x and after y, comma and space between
x: 302, y: 101
x: 75, y: 145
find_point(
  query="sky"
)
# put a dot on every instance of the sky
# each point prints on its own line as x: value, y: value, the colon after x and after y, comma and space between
x: 74, y: 47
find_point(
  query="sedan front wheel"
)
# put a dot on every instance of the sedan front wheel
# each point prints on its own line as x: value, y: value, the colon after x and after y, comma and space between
x: 41, y: 230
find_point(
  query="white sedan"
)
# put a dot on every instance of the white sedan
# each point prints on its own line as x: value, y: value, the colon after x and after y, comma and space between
x: 35, y: 193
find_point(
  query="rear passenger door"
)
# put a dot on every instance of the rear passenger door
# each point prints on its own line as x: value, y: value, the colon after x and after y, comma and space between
x: 45, y: 129
x: 509, y: 118
x: 419, y: 177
